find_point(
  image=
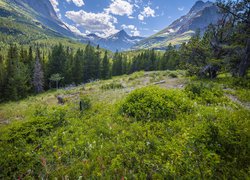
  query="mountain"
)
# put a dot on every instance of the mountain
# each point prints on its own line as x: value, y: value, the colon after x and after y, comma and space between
x: 199, y: 17
x: 120, y: 41
x: 32, y: 19
x: 43, y: 11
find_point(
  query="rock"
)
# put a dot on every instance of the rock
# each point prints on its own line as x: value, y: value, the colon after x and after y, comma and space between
x: 160, y: 82
x: 60, y: 100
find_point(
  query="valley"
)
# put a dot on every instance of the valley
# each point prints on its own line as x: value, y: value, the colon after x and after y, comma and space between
x: 94, y: 90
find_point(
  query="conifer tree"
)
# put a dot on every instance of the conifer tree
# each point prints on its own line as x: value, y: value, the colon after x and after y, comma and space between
x: 17, y: 79
x: 77, y: 67
x: 38, y: 76
x: 105, y: 67
x: 2, y: 77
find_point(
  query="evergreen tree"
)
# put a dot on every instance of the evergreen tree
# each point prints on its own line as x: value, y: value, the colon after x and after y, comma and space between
x: 89, y: 63
x: 58, y: 58
x: 38, y: 76
x: 2, y: 77
x: 77, y: 67
x: 97, y: 63
x: 17, y: 80
x: 69, y: 66
x: 117, y: 64
x: 105, y: 67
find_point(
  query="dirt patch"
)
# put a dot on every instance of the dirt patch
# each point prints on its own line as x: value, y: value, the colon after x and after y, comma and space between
x: 173, y: 83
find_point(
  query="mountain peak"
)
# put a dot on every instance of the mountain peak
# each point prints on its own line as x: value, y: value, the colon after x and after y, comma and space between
x: 199, y: 5
x: 93, y: 35
x: 122, y: 33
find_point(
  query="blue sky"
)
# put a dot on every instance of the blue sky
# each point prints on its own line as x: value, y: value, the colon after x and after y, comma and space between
x: 106, y: 17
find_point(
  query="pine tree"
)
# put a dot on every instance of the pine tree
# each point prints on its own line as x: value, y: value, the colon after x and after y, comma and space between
x: 58, y: 58
x: 77, y: 67
x: 38, y: 76
x: 89, y: 63
x: 2, y: 77
x: 105, y: 67
x: 97, y: 63
x: 17, y: 79
x: 117, y: 64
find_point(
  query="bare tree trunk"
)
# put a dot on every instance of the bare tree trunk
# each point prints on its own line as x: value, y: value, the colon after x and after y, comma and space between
x: 245, y: 62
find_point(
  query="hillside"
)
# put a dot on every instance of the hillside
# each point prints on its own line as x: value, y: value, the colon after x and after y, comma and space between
x: 26, y: 23
x: 51, y: 140
x: 181, y: 30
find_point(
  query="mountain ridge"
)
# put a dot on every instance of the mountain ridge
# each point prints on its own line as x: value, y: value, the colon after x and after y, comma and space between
x: 181, y: 30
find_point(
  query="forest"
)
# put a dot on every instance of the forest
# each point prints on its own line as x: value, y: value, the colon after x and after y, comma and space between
x: 182, y: 113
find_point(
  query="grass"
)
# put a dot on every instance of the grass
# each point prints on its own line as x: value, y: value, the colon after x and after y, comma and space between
x: 43, y: 139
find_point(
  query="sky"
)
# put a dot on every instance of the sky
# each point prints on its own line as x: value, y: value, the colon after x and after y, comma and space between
x: 106, y: 17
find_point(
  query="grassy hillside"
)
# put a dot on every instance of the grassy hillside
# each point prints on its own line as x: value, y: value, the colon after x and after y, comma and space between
x: 190, y: 129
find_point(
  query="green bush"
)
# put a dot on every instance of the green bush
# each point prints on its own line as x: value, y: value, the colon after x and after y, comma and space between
x: 241, y: 83
x: 112, y: 86
x: 85, y: 103
x: 152, y: 103
x: 208, y: 93
x: 173, y: 74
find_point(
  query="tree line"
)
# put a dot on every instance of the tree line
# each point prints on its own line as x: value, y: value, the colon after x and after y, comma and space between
x: 24, y: 72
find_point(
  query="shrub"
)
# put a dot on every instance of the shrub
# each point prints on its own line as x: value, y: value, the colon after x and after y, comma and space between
x: 173, y: 74
x: 208, y: 93
x: 112, y: 86
x: 154, y: 103
x: 85, y: 103
x: 241, y: 83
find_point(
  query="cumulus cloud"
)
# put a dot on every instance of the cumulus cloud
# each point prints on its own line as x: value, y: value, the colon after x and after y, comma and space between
x: 147, y: 12
x: 101, y: 23
x: 120, y: 7
x: 55, y: 4
x: 78, y: 3
x: 134, y: 31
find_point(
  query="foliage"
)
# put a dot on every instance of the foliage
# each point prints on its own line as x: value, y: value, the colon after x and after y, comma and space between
x: 153, y: 103
x: 207, y: 93
x: 85, y: 103
x: 57, y: 141
x: 112, y: 85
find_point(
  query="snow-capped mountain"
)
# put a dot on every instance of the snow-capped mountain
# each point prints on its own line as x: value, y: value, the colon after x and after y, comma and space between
x: 199, y: 17
x: 120, y: 41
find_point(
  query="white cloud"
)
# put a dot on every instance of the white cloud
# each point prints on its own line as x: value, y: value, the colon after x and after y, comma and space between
x: 74, y: 29
x: 101, y: 23
x: 140, y: 17
x: 55, y: 4
x: 180, y: 8
x: 78, y: 3
x: 134, y: 31
x: 120, y: 7
x: 147, y: 12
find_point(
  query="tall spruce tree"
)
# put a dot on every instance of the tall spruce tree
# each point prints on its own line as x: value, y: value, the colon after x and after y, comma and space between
x: 38, y: 76
x: 77, y: 67
x: 2, y: 77
x: 58, y: 58
x: 105, y: 67
x: 17, y: 79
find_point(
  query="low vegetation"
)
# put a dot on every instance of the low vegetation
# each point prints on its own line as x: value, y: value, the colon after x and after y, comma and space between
x: 134, y: 132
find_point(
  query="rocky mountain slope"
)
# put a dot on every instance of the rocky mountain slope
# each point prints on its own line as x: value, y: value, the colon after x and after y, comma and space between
x: 199, y: 17
x: 39, y: 16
